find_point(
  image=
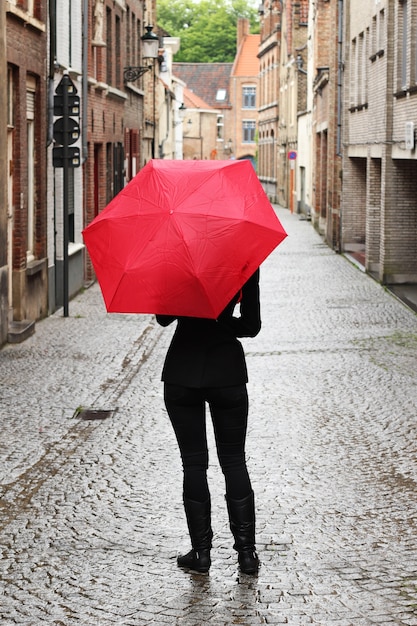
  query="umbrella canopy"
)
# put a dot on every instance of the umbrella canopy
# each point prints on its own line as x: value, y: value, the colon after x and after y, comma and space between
x: 182, y: 238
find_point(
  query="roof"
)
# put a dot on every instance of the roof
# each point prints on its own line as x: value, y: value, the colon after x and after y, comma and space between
x: 192, y: 101
x: 205, y: 80
x: 247, y: 62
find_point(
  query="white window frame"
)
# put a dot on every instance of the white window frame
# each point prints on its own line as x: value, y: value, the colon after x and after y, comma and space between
x: 248, y: 94
x: 248, y: 126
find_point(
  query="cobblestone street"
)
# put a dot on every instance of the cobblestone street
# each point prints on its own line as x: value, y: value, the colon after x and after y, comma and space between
x: 91, y: 516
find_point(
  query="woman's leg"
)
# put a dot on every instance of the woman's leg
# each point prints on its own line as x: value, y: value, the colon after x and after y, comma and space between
x: 229, y: 411
x: 186, y: 409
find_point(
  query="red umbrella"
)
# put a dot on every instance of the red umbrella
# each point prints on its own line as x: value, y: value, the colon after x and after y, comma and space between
x: 182, y: 238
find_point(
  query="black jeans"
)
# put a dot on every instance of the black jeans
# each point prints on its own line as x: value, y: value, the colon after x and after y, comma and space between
x: 229, y: 412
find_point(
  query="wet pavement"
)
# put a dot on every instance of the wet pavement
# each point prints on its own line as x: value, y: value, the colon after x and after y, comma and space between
x: 91, y: 517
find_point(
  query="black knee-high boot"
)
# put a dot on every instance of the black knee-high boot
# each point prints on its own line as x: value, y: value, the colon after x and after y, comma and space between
x: 198, y: 516
x: 242, y: 524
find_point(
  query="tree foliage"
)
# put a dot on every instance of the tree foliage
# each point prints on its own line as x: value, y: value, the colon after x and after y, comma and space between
x: 207, y: 29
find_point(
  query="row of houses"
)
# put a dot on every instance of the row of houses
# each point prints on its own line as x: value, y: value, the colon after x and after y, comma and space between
x: 133, y: 107
x: 95, y: 44
x: 337, y: 124
x: 331, y: 102
x: 322, y: 101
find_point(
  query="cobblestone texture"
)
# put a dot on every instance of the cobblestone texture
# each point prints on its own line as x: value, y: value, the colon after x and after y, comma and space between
x: 91, y: 517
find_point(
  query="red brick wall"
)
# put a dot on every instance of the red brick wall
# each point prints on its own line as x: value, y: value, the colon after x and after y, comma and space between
x: 26, y: 53
x: 112, y: 107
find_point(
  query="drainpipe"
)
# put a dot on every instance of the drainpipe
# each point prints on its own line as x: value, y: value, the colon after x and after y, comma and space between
x: 339, y: 78
x: 161, y: 145
x: 339, y: 105
x: 51, y: 69
x: 84, y: 85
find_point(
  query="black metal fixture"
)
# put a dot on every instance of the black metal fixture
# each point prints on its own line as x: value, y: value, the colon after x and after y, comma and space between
x: 150, y: 49
x: 181, y: 114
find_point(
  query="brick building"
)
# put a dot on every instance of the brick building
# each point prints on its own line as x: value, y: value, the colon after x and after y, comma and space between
x: 244, y: 94
x: 4, y: 270
x: 199, y: 128
x: 326, y: 84
x: 379, y: 224
x: 117, y: 127
x: 292, y: 97
x: 283, y: 98
x: 230, y: 90
x: 211, y: 83
x: 268, y: 101
x: 25, y: 82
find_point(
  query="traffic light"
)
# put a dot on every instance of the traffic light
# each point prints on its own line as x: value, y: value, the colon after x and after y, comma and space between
x: 66, y: 127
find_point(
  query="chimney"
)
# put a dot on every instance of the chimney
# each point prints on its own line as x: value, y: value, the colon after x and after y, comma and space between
x: 242, y: 30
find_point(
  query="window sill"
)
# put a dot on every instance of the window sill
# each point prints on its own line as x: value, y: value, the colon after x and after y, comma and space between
x: 34, y: 267
x: 73, y: 248
x: 28, y: 19
x: 379, y: 53
x: 358, y: 107
x: 405, y: 91
x: 113, y: 92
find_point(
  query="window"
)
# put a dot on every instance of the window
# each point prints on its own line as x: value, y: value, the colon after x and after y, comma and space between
x: 415, y: 43
x: 381, y: 31
x: 221, y: 95
x: 220, y: 127
x: 249, y: 97
x: 404, y: 48
x: 30, y: 129
x: 353, y: 74
x: 249, y: 127
x: 109, y: 49
x: 128, y: 36
x: 10, y: 109
x: 374, y: 35
x: 359, y: 68
x: 118, y: 53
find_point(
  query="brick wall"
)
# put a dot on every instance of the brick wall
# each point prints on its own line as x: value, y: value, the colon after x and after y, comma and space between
x: 379, y: 178
x: 26, y: 54
x: 112, y: 106
x: 373, y: 217
x: 327, y: 179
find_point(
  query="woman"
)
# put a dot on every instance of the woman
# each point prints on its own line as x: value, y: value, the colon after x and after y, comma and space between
x: 206, y: 363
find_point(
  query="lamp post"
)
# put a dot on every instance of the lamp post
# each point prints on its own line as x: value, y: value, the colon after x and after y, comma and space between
x: 181, y: 114
x: 150, y: 48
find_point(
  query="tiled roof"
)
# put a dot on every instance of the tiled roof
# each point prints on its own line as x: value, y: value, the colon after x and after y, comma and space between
x: 192, y: 101
x: 205, y: 79
x: 247, y: 62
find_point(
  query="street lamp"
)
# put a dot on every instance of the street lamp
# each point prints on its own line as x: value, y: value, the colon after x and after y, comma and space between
x: 181, y: 114
x: 150, y: 48
x: 150, y: 43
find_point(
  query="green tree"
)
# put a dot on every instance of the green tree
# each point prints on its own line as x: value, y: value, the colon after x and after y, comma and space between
x: 207, y: 29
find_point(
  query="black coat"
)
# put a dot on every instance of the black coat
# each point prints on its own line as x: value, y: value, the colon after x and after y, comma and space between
x: 207, y: 353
